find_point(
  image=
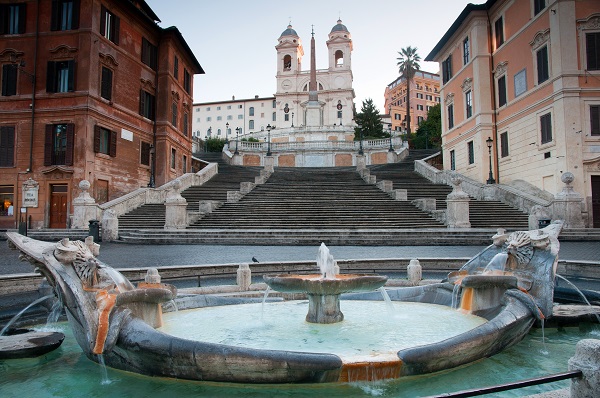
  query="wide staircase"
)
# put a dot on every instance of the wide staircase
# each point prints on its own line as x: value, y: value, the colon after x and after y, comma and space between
x: 152, y: 216
x: 482, y: 214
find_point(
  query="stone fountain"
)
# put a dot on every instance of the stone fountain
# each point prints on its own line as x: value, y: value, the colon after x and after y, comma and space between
x: 508, y: 286
x: 324, y: 289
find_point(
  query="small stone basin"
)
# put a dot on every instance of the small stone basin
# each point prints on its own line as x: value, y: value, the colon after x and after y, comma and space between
x: 316, y: 284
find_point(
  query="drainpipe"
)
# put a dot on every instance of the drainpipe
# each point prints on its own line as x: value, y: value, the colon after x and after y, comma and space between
x: 33, y: 85
x: 494, y: 105
x: 153, y: 160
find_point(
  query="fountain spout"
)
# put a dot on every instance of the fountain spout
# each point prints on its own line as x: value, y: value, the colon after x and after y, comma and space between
x: 326, y: 263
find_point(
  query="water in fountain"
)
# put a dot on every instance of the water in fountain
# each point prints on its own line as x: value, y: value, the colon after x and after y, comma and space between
x: 455, y: 293
x: 105, y: 379
x: 122, y: 283
x: 16, y: 317
x: 387, y: 299
x: 326, y: 262
x: 578, y: 291
x: 497, y: 263
x: 55, y: 312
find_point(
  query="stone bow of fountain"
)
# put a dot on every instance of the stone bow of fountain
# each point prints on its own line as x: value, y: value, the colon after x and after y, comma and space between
x: 324, y: 289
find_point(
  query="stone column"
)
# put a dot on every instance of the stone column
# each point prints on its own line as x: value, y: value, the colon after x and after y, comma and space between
x: 457, y: 213
x: 269, y: 164
x: 244, y: 276
x: 176, y: 209
x: 568, y: 204
x: 586, y: 359
x: 110, y: 226
x: 84, y: 207
x: 361, y: 162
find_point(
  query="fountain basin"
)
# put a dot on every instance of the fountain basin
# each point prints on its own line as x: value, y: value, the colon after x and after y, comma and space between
x: 25, y: 343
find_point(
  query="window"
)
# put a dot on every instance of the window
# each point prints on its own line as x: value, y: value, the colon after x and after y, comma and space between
x: 7, y: 197
x: 287, y: 62
x: 9, y: 79
x: 499, y: 32
x: 595, y: 119
x: 502, y: 91
x: 450, y: 116
x: 504, y: 144
x: 65, y: 15
x: 60, y: 76
x: 147, y: 101
x: 218, y: 108
x: 592, y: 50
x: 105, y: 141
x: 174, y: 114
x: 419, y: 120
x: 274, y: 117
x: 240, y: 117
x: 428, y: 97
x: 229, y: 117
x: 58, y: 144
x: 176, y: 67
x: 251, y: 124
x: 274, y: 104
x: 228, y: 106
x: 109, y: 25
x: 419, y: 107
x: 185, y: 123
x: 452, y: 160
x: 538, y: 6
x: 471, y: 150
x: 286, y: 117
x: 208, y: 119
x: 149, y: 54
x: 420, y: 95
x: 469, y: 104
x: 145, y: 153
x: 339, y: 115
x: 219, y: 117
x: 466, y: 51
x: 240, y: 106
x: 546, y: 128
x: 12, y: 19
x: 208, y: 109
x: 262, y: 114
x: 184, y: 164
x: 7, y: 146
x: 187, y: 81
x: 173, y: 156
x: 543, y: 72
x: 106, y: 84
x: 447, y: 69
x: 520, y: 81
x: 251, y: 111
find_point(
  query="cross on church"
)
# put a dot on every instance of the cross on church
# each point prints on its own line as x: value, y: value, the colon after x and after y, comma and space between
x: 313, y: 30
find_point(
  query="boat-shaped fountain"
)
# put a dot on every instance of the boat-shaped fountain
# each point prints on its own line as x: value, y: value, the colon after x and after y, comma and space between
x: 503, y: 289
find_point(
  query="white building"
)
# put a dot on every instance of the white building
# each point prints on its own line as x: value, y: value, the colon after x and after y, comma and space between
x: 221, y: 119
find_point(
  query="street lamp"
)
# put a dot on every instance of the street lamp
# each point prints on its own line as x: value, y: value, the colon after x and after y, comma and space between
x: 292, y: 119
x: 152, y: 154
x: 390, y: 131
x: 489, y: 142
x: 237, y: 137
x: 21, y: 66
x: 269, y: 139
x: 227, y: 132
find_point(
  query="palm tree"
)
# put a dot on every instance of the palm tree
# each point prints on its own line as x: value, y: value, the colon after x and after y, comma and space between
x: 408, y: 64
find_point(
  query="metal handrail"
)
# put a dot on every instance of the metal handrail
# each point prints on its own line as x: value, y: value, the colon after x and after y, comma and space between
x: 514, y: 385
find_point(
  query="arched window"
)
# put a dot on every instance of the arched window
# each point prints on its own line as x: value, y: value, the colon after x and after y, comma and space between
x: 305, y: 87
x: 251, y: 111
x: 339, y: 58
x: 287, y: 62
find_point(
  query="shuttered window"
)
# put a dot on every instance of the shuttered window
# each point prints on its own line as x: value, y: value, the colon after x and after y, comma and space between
x: 7, y: 146
x: 149, y: 54
x: 595, y: 119
x: 60, y: 76
x: 105, y: 141
x: 106, y: 84
x: 58, y: 144
x: 110, y: 25
x: 9, y: 79
x: 65, y: 15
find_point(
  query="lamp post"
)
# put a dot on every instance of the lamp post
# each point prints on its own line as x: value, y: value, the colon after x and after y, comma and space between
x: 21, y: 66
x: 152, y: 153
x: 227, y: 132
x: 269, y: 140
x: 390, y: 132
x: 489, y: 142
x: 292, y: 119
x: 237, y: 138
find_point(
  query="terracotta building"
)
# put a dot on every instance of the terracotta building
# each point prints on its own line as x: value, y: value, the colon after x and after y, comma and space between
x: 424, y: 93
x: 525, y: 77
x: 91, y: 90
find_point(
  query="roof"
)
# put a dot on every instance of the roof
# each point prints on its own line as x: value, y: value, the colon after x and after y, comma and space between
x: 289, y: 32
x: 256, y: 98
x: 179, y: 36
x: 339, y: 27
x: 457, y: 24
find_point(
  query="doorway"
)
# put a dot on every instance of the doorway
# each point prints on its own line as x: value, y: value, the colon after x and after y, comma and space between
x: 58, y: 206
x: 596, y: 201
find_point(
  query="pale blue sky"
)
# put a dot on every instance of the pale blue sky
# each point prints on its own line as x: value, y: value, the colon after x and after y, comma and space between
x: 234, y: 41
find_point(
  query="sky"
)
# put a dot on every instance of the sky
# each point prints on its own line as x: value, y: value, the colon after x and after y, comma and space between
x: 234, y: 41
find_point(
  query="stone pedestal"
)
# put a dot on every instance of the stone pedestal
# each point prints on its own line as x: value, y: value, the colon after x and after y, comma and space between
x: 568, y: 204
x: 586, y: 359
x: 84, y: 207
x: 234, y: 196
x: 269, y: 164
x: 244, y: 276
x: 361, y: 163
x: 246, y: 187
x: 385, y: 185
x: 457, y: 213
x: 110, y: 226
x: 399, y: 194
x: 175, y: 209
x: 414, y: 272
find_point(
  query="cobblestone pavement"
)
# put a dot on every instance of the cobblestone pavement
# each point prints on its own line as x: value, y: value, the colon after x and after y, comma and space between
x: 119, y: 255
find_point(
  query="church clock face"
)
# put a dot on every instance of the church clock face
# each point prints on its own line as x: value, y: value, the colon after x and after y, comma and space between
x: 286, y: 84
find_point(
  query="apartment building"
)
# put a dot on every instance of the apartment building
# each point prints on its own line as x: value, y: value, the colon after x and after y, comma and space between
x: 91, y: 90
x: 524, y: 76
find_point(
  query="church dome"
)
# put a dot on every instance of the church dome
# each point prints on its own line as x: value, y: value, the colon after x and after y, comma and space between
x: 289, y: 32
x: 340, y: 27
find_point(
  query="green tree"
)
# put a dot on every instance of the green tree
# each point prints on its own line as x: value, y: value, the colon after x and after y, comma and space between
x: 408, y: 64
x: 429, y: 133
x: 214, y: 144
x: 369, y: 122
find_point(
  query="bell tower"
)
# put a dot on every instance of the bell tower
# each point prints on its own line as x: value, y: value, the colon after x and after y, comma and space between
x: 340, y: 48
x: 289, y: 52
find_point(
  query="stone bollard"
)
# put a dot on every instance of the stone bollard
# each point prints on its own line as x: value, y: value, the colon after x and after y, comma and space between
x: 84, y: 207
x: 207, y: 206
x: 152, y: 276
x: 244, y: 276
x: 457, y: 209
x: 414, y: 272
x: 246, y: 187
x: 233, y: 196
x: 586, y: 359
x: 568, y: 204
x: 399, y: 194
x: 269, y: 164
x: 110, y: 226
x: 175, y: 209
x: 385, y: 185
x: 361, y: 163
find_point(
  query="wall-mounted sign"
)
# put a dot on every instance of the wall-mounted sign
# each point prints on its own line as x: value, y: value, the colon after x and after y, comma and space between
x: 30, y: 193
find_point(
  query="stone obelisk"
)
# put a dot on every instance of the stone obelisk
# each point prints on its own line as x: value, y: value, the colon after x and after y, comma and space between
x: 313, y: 107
